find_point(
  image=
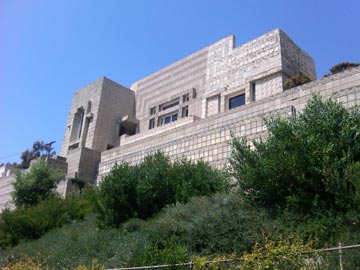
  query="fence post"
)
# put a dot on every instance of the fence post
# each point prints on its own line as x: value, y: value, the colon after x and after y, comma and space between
x: 340, y: 257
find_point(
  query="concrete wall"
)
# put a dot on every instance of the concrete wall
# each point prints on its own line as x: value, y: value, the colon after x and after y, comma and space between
x: 5, y: 192
x: 209, y: 138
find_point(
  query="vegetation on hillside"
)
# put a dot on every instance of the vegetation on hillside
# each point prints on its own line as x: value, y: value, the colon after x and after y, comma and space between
x: 298, y: 190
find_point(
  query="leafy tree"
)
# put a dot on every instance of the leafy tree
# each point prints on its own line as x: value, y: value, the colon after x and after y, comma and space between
x: 307, y: 163
x: 155, y: 188
x: 297, y: 80
x: 194, y: 179
x: 117, y: 195
x: 35, y: 185
x: 39, y: 149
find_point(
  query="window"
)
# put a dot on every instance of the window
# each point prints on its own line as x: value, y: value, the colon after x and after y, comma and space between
x: 168, y: 105
x: 236, y: 101
x: 186, y: 98
x: 152, y: 110
x: 152, y: 123
x: 185, y: 111
x: 252, y: 91
x: 77, y: 125
x: 194, y: 92
x: 168, y: 119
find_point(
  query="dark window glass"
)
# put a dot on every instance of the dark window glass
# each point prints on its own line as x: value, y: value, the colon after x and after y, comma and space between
x: 167, y: 119
x: 174, y: 117
x: 165, y: 107
x: 236, y: 101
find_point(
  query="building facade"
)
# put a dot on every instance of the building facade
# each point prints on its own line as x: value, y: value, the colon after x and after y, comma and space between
x: 192, y: 108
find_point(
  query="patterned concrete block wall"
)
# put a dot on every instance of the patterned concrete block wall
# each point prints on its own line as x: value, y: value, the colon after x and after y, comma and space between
x: 5, y: 192
x: 209, y: 138
x: 174, y: 81
x: 294, y: 59
x: 90, y: 93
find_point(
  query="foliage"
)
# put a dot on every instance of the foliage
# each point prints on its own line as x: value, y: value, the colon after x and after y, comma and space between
x: 24, y: 264
x: 36, y: 185
x: 279, y: 255
x: 143, y: 190
x: 342, y: 67
x: 222, y: 223
x: 94, y: 266
x: 154, y: 188
x: 297, y: 80
x: 117, y: 195
x: 39, y: 149
x: 33, y: 222
x: 307, y: 163
x: 171, y: 253
x: 196, y: 179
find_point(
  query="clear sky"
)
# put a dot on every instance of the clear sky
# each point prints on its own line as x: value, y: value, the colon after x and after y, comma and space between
x: 51, y: 48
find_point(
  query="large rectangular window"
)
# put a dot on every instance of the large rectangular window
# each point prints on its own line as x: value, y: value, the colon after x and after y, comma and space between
x: 236, y: 101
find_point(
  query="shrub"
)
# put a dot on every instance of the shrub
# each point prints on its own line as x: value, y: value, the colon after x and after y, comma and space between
x: 307, y: 163
x: 155, y: 188
x: 296, y: 80
x: 36, y: 185
x: 33, y: 222
x: 143, y: 190
x: 279, y: 255
x: 117, y: 195
x: 171, y: 253
x: 342, y: 67
x: 196, y: 179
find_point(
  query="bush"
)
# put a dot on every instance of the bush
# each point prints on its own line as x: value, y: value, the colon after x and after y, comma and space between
x: 221, y: 224
x: 297, y: 80
x: 308, y: 163
x: 36, y: 185
x: 342, y: 67
x: 155, y: 188
x: 196, y: 179
x: 281, y: 255
x: 117, y: 195
x: 143, y: 190
x: 33, y: 222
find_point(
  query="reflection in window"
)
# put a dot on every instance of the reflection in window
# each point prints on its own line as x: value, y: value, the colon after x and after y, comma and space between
x: 185, y: 111
x: 168, y: 119
x: 152, y: 123
x: 168, y: 105
x: 236, y: 101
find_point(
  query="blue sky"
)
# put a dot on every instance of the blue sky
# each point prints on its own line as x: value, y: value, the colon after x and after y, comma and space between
x: 49, y: 48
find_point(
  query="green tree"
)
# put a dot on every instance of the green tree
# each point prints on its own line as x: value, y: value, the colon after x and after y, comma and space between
x: 39, y: 149
x: 35, y: 185
x: 307, y: 163
x: 195, y: 179
x: 117, y: 195
x: 155, y: 188
x: 297, y: 80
